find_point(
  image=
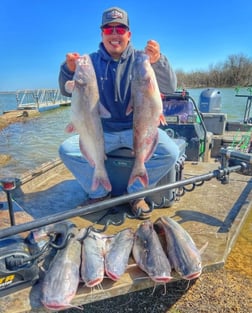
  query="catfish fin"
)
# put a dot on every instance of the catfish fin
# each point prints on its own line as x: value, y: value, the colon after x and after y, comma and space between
x: 129, y: 107
x: 69, y: 86
x: 203, y: 248
x: 70, y: 128
x: 104, y: 181
x: 104, y: 113
x: 162, y: 119
x: 139, y: 174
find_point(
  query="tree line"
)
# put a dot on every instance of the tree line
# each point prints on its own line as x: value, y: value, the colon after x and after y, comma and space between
x: 236, y: 70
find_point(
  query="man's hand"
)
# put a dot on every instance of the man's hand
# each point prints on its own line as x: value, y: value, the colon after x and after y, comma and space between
x: 153, y: 51
x: 70, y: 60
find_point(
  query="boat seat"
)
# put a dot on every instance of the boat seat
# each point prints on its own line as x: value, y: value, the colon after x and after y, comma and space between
x: 119, y: 165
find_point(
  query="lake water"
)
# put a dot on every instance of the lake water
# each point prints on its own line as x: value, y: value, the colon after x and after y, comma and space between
x: 36, y: 141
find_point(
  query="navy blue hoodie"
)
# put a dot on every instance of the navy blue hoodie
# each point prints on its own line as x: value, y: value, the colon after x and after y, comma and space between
x: 114, y: 79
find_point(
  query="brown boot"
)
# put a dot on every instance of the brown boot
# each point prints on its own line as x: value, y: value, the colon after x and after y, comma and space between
x: 140, y: 209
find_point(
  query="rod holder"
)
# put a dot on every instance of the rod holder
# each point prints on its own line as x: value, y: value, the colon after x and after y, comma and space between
x: 9, y: 184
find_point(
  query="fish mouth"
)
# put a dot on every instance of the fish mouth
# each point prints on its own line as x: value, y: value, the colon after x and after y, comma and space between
x: 112, y: 276
x: 161, y: 279
x: 192, y: 276
x: 94, y: 282
x: 56, y: 306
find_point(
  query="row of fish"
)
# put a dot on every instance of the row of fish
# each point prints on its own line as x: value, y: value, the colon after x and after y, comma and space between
x: 157, y: 248
x: 87, y: 111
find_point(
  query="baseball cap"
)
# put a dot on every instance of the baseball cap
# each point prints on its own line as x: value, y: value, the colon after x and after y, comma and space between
x: 115, y: 14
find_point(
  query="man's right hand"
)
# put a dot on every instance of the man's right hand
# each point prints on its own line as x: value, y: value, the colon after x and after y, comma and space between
x: 70, y: 60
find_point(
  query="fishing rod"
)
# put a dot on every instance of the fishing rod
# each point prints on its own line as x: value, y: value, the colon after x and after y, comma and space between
x: 220, y: 174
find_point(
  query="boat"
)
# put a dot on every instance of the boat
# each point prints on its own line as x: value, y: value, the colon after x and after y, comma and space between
x: 208, y: 192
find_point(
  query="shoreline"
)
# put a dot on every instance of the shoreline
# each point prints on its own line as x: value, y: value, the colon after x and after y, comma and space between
x: 17, y: 116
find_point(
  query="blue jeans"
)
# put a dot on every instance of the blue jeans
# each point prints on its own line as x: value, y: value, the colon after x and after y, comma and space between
x: 162, y: 160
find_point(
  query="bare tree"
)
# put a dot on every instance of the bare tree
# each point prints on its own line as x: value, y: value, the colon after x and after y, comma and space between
x: 235, y: 71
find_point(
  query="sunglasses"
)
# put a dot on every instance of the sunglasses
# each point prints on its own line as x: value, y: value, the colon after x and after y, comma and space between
x: 120, y: 30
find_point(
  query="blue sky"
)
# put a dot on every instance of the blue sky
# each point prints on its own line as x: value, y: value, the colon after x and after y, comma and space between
x: 37, y: 34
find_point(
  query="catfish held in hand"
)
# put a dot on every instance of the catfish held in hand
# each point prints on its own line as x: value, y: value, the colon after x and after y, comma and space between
x: 86, y: 113
x: 147, y: 107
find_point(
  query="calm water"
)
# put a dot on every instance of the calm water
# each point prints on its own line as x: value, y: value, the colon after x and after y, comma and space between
x: 36, y: 141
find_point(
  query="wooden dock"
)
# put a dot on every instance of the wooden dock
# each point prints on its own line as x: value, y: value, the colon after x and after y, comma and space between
x: 212, y: 213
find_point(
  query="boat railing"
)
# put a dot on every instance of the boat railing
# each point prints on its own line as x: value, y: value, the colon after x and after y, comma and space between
x: 247, y: 119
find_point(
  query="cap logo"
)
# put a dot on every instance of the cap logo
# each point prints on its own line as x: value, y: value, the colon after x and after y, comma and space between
x: 114, y: 14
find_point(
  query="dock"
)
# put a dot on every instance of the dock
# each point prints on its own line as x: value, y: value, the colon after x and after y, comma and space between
x: 41, y: 99
x: 212, y: 212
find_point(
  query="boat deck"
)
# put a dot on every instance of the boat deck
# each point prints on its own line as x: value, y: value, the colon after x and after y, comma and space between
x: 212, y: 213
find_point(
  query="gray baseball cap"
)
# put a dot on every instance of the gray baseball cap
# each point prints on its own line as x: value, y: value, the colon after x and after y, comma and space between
x: 115, y: 14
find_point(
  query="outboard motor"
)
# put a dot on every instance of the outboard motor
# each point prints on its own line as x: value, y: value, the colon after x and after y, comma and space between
x: 210, y: 101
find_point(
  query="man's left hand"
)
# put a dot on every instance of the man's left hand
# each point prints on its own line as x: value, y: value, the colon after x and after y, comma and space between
x: 152, y: 49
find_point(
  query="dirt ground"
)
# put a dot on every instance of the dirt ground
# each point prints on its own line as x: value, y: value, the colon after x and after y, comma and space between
x: 222, y: 291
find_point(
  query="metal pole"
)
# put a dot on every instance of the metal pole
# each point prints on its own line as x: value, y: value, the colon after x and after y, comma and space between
x: 11, y: 212
x: 97, y: 207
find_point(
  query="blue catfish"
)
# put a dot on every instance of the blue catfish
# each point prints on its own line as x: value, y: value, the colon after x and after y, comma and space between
x: 61, y: 281
x: 149, y: 254
x: 147, y: 107
x: 118, y: 252
x: 92, y: 259
x: 181, y: 250
x: 86, y: 113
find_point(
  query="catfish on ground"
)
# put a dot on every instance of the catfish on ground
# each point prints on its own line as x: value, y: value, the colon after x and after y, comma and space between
x: 61, y: 281
x: 149, y: 254
x: 181, y: 250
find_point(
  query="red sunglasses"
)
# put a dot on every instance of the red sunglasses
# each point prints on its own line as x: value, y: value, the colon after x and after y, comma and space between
x: 120, y: 30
